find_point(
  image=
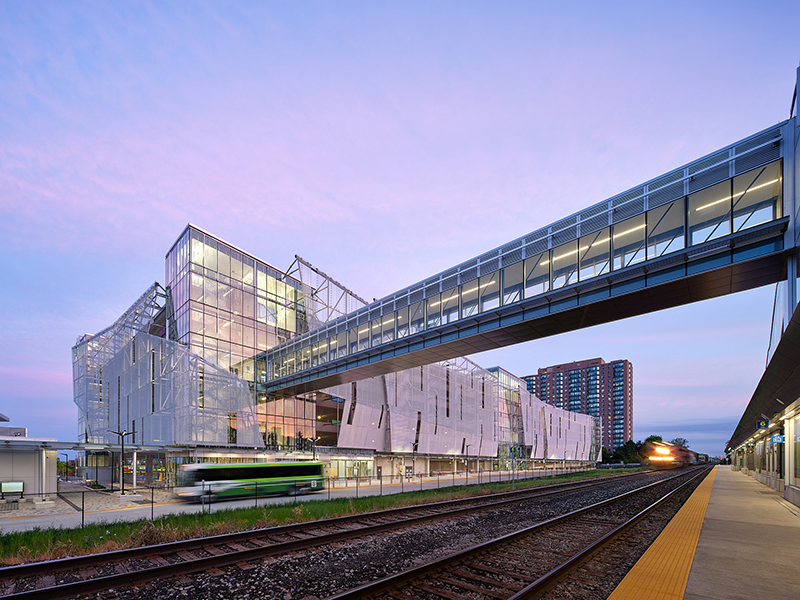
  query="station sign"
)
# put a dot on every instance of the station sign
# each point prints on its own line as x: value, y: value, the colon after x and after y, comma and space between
x: 762, y: 424
x: 777, y: 439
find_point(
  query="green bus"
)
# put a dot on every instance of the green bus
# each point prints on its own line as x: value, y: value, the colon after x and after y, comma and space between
x: 241, y: 480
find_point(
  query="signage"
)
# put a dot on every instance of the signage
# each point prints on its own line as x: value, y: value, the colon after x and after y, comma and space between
x: 762, y: 424
x: 777, y: 439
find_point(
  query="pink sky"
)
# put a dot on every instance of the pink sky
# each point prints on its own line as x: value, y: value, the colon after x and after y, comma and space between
x: 383, y: 143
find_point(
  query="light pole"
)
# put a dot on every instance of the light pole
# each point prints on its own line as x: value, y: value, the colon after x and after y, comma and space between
x: 66, y: 458
x: 467, y: 469
x: 314, y: 448
x: 122, y: 435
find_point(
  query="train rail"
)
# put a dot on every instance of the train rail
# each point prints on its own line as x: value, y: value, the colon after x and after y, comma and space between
x: 528, y: 563
x: 77, y: 576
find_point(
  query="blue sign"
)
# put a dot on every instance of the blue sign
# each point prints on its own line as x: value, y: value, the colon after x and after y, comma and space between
x: 777, y: 439
x: 762, y: 424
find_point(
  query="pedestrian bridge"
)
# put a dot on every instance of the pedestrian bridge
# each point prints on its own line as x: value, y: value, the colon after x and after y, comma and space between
x: 719, y: 225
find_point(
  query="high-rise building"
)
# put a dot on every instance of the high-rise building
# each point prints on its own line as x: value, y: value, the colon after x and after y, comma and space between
x: 593, y: 387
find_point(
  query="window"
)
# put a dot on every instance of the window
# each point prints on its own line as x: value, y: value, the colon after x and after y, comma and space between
x: 537, y: 275
x: 434, y: 311
x: 489, y: 286
x: 416, y: 315
x: 450, y: 306
x: 594, y: 254
x: 376, y: 333
x: 387, y: 327
x: 469, y: 299
x: 665, y: 229
x: 757, y: 196
x: 512, y: 283
x: 232, y: 433
x: 402, y: 322
x: 628, y: 241
x: 565, y: 265
x: 710, y: 213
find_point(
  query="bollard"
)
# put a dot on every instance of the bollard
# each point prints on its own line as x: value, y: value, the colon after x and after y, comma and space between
x: 152, y: 502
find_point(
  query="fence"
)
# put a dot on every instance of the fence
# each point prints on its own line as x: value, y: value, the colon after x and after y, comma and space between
x: 98, y: 502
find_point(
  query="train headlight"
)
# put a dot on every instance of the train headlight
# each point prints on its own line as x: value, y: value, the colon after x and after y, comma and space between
x: 661, y: 450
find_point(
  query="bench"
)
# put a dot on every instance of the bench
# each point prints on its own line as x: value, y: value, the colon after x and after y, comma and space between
x: 10, y: 487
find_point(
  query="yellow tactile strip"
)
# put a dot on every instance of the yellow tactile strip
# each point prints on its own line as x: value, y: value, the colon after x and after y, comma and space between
x: 662, y: 572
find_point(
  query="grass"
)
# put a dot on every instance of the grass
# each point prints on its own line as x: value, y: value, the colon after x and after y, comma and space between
x: 48, y: 544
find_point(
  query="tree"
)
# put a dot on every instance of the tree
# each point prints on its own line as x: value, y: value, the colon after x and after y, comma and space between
x: 629, y: 452
x: 679, y: 441
x: 654, y: 438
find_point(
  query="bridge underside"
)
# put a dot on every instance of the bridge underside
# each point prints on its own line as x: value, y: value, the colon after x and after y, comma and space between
x: 727, y: 265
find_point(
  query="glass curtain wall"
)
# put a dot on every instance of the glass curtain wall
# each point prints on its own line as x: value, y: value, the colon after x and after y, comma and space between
x: 229, y: 308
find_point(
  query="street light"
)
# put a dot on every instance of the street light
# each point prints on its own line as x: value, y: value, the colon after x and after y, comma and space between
x: 122, y: 435
x: 467, y: 469
x: 66, y: 458
x: 314, y: 447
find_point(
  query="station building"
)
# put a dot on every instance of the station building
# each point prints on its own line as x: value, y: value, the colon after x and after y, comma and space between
x: 592, y: 387
x: 181, y: 377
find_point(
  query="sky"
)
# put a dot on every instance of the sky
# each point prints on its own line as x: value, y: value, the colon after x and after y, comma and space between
x: 383, y: 143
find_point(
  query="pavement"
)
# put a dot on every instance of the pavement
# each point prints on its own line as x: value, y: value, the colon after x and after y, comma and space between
x: 749, y: 546
x: 734, y: 539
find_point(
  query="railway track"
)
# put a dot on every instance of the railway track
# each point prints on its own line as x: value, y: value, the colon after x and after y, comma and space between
x: 77, y: 576
x: 528, y: 563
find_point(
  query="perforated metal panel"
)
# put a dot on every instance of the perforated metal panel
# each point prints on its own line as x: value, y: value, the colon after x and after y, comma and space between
x: 450, y: 282
x: 513, y: 257
x: 594, y: 223
x: 758, y: 157
x: 666, y: 194
x: 536, y: 248
x: 469, y: 275
x: 489, y: 266
x: 626, y: 211
x: 565, y: 235
x: 432, y: 289
x: 709, y: 177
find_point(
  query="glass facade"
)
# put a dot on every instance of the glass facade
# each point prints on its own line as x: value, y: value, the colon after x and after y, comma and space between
x: 230, y: 308
x: 746, y: 200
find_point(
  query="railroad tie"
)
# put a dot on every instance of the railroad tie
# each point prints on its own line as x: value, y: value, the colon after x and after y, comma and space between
x: 88, y: 572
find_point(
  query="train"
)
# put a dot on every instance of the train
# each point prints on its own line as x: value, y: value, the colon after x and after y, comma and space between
x: 212, y: 481
x: 664, y: 455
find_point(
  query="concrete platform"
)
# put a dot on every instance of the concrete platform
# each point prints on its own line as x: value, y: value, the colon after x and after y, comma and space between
x: 749, y: 546
x: 735, y: 539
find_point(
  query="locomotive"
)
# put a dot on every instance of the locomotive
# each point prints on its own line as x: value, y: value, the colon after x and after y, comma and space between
x: 663, y: 455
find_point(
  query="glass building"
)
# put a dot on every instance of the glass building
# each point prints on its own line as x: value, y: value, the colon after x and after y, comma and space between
x: 183, y: 375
